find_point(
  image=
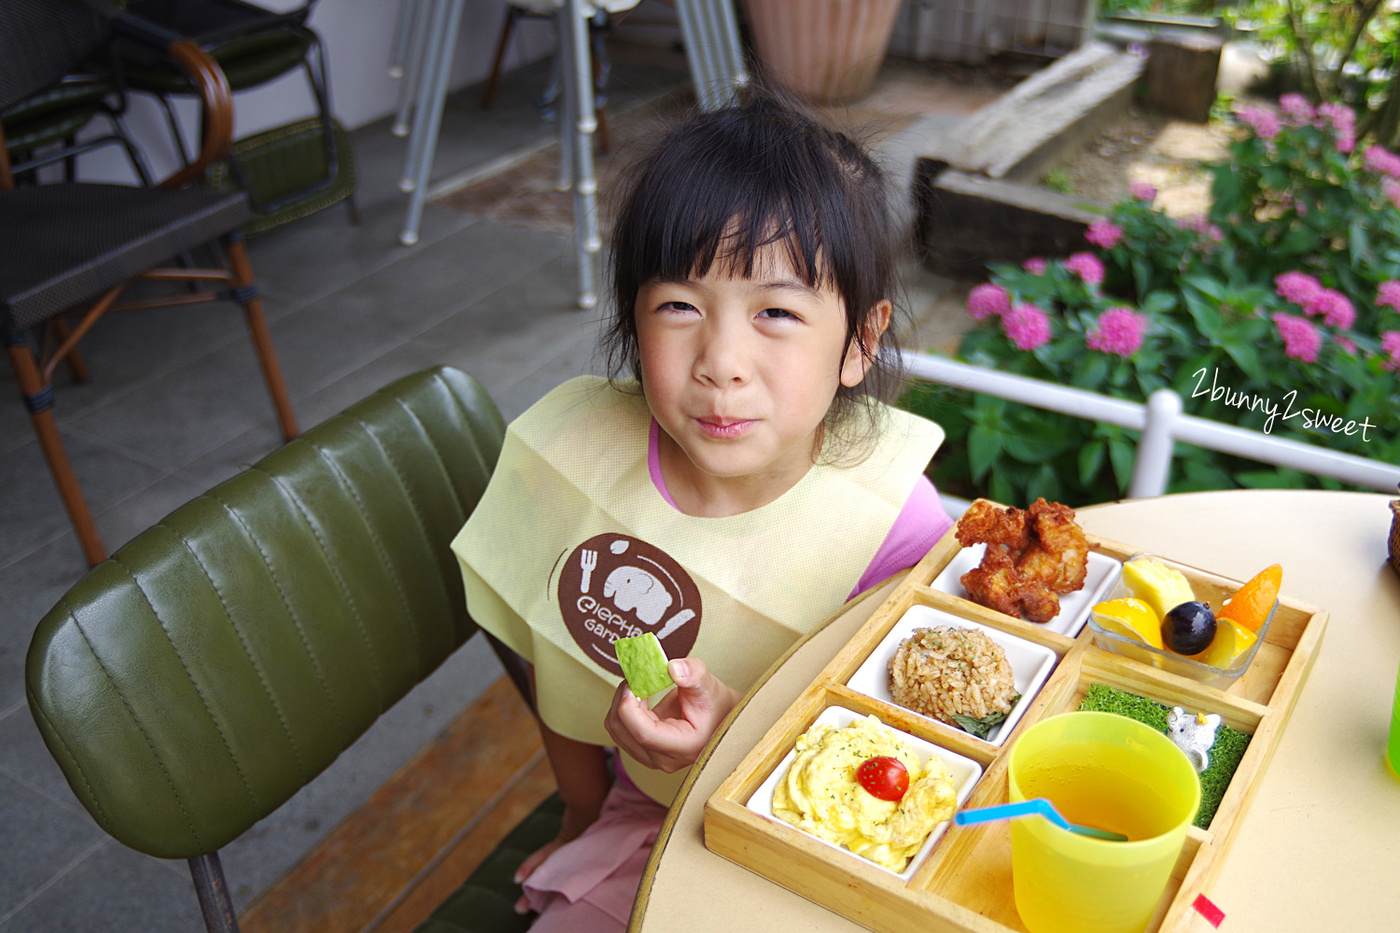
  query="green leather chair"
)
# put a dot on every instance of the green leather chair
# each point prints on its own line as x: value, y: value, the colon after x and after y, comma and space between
x: 193, y: 682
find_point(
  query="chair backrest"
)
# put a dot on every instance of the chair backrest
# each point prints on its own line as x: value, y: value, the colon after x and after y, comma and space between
x: 193, y: 682
x: 43, y: 40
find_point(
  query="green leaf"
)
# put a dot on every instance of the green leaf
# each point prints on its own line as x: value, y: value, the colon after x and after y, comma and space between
x: 1091, y: 460
x: 1206, y: 286
x: 1122, y: 453
x: 1091, y: 370
x: 983, y: 448
x: 1299, y: 241
x: 982, y: 728
x: 1046, y: 482
x: 1246, y: 356
x: 1360, y: 241
x: 1032, y: 446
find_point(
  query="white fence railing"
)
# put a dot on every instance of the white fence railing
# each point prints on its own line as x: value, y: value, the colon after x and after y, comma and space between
x: 1162, y: 424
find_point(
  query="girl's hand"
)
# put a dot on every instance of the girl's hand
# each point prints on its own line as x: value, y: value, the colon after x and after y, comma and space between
x: 671, y: 736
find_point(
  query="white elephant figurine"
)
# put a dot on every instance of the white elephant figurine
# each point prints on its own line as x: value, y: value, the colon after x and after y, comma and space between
x: 1194, y: 734
x: 635, y: 589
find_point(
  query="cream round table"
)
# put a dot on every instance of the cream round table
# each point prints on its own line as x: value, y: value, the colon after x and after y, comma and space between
x: 1320, y: 847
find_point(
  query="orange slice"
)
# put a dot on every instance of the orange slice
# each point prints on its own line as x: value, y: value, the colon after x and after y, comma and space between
x: 1251, y: 604
x: 1232, y: 641
x: 1131, y: 618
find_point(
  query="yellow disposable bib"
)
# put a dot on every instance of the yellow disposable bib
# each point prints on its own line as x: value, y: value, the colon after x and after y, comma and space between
x: 573, y: 547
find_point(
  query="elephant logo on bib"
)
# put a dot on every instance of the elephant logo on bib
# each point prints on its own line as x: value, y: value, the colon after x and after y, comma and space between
x: 635, y: 589
x: 615, y: 586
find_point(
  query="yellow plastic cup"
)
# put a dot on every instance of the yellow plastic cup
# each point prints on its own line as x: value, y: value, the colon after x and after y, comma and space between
x: 1110, y: 772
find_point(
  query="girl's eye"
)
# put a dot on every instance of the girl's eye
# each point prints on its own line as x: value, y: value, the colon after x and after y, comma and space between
x: 777, y: 314
x: 677, y: 306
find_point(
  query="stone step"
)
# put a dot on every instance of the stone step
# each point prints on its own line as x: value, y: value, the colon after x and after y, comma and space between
x: 967, y: 221
x: 1054, y: 111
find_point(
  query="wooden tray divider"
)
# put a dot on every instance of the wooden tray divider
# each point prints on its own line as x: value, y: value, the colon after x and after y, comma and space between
x: 965, y: 884
x: 967, y: 609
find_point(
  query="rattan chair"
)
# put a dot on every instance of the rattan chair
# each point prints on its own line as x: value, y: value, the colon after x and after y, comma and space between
x: 222, y: 659
x: 69, y: 245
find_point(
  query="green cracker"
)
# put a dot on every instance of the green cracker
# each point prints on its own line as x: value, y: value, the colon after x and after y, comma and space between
x: 643, y: 664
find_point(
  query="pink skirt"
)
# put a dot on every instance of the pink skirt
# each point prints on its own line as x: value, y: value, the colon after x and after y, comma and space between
x: 588, y: 885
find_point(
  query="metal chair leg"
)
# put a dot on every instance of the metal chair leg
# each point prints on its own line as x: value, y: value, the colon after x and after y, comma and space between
x: 429, y: 112
x: 578, y: 75
x: 419, y: 41
x: 212, y: 890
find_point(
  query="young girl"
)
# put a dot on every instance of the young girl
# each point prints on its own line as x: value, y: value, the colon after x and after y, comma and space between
x: 733, y: 483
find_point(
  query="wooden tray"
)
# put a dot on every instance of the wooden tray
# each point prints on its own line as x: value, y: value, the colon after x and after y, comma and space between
x: 965, y: 883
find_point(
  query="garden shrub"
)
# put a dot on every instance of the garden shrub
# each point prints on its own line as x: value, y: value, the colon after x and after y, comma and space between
x: 1279, y: 311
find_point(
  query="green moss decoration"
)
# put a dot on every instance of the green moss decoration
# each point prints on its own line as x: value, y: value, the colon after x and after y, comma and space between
x: 1225, y: 755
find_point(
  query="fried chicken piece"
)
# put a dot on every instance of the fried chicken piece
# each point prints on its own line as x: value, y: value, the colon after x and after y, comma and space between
x: 994, y: 582
x: 998, y: 584
x: 985, y: 523
x: 1059, y: 555
x: 1031, y: 556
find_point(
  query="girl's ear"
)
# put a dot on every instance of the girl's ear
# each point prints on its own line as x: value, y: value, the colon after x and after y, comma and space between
x: 862, y: 350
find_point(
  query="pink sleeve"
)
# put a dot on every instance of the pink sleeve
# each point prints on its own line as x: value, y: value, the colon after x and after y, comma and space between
x: 920, y: 524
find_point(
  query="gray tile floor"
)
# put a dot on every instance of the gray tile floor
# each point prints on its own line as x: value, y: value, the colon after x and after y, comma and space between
x: 176, y: 405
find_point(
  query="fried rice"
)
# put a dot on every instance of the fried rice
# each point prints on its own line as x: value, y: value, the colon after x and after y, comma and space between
x: 946, y: 670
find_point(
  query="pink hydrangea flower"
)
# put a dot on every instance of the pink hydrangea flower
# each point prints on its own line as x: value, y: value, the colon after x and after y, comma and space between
x: 1382, y: 161
x: 1336, y: 309
x: 1201, y: 225
x: 1342, y: 120
x: 1142, y: 191
x: 1301, y: 340
x: 1296, y: 109
x: 1026, y: 326
x: 1037, y: 265
x: 1119, y: 330
x: 1297, y: 287
x: 1087, y: 266
x: 1390, y: 343
x: 1264, y: 122
x: 1104, y: 234
x: 988, y: 300
x: 1388, y: 295
x: 1391, y: 189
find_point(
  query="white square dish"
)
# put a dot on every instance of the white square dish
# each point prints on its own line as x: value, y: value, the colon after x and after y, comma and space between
x: 964, y: 771
x: 1030, y: 663
x: 1102, y: 572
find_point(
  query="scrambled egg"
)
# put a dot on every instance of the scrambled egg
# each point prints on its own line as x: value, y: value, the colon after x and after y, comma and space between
x: 820, y: 793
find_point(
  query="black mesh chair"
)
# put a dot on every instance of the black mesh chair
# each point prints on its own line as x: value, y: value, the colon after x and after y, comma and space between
x: 69, y: 245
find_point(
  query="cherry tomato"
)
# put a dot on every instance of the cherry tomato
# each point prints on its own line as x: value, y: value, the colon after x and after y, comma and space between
x: 885, y: 778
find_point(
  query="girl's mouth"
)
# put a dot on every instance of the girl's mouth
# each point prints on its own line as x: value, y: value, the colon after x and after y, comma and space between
x: 722, y: 428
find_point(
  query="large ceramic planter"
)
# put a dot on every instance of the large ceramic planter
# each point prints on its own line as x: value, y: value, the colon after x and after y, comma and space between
x: 827, y: 51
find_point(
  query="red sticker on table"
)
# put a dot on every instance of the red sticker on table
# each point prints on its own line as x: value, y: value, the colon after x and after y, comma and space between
x: 1214, y: 915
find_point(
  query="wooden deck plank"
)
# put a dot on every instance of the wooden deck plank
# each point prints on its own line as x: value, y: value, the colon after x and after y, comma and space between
x: 363, y: 867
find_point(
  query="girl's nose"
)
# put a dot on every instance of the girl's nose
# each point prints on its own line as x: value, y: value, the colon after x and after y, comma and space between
x: 723, y: 358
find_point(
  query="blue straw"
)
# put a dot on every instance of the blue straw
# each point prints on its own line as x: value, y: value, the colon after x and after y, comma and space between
x: 1039, y: 806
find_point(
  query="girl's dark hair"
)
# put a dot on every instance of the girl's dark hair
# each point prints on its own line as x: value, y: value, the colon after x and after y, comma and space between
x: 720, y: 186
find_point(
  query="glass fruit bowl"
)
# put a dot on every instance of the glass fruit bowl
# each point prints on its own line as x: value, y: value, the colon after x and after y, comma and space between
x: 1115, y: 637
